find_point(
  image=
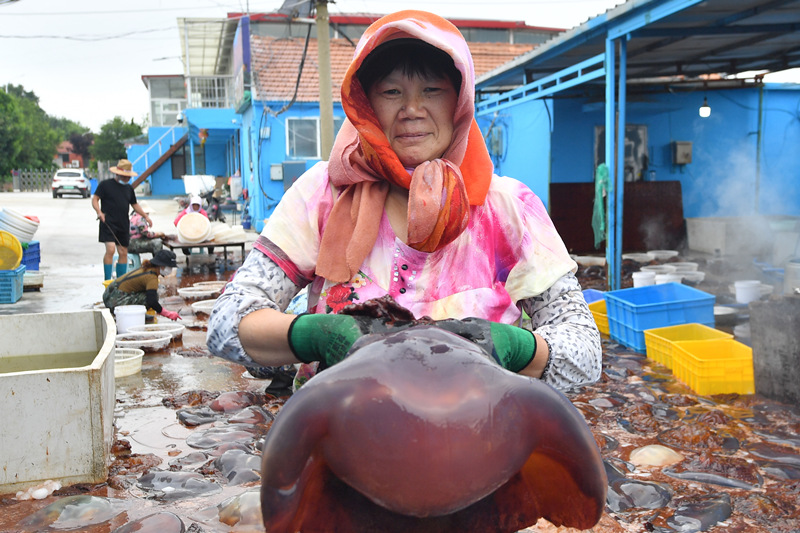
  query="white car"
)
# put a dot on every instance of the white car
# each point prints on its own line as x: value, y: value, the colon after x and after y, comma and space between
x: 71, y: 181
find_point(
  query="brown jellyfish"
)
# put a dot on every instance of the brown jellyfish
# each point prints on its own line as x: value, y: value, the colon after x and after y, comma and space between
x: 418, y: 431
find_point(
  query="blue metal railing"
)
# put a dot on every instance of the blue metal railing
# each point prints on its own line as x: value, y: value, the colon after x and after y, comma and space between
x: 584, y: 71
x: 159, y: 143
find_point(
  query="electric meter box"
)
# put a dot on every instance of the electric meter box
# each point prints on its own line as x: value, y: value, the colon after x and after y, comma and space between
x: 681, y: 152
x: 291, y: 170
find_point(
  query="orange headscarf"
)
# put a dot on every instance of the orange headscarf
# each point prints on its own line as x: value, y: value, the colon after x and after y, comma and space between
x: 364, y: 164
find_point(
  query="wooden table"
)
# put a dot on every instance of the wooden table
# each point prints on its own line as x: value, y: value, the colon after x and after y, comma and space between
x: 177, y: 245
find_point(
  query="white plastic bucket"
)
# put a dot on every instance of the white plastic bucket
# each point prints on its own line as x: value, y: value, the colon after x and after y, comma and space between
x: 129, y: 315
x: 658, y: 269
x: 668, y: 278
x: 643, y: 279
x: 747, y: 290
x: 791, y: 277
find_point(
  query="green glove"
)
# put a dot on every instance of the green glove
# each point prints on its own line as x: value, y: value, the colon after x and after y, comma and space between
x: 511, y: 347
x: 328, y: 338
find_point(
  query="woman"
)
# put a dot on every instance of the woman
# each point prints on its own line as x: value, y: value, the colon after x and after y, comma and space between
x: 140, y: 286
x: 408, y: 206
x: 195, y: 206
x: 143, y: 238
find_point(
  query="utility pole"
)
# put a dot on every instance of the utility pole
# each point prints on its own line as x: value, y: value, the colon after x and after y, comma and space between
x: 325, y: 90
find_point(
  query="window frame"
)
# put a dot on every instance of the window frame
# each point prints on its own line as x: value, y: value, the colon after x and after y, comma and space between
x: 289, y: 135
x: 337, y: 124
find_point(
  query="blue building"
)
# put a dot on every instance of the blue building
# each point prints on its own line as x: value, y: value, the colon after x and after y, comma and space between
x: 248, y: 103
x: 249, y: 106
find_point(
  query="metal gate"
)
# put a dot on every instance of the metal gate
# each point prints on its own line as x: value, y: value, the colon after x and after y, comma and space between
x: 32, y: 180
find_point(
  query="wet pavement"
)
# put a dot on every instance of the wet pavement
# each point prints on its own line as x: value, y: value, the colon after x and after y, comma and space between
x: 71, y: 257
x: 189, y: 426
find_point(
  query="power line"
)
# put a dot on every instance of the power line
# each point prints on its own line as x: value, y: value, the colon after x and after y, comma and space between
x: 87, y: 38
x: 236, y: 5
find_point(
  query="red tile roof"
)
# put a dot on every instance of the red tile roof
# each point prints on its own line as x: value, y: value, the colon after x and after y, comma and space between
x: 276, y: 61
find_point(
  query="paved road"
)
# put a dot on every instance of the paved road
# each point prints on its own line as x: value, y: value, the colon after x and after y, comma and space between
x: 71, y: 256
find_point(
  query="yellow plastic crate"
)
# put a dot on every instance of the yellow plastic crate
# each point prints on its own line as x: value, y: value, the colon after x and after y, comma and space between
x: 718, y: 366
x: 600, y: 315
x: 659, y: 341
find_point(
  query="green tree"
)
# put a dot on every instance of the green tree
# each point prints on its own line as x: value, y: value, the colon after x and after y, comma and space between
x: 66, y: 127
x: 108, y: 144
x: 10, y: 134
x: 37, y: 140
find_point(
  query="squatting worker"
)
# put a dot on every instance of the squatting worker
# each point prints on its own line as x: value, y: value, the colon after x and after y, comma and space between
x: 112, y: 201
x: 140, y: 286
x: 409, y: 206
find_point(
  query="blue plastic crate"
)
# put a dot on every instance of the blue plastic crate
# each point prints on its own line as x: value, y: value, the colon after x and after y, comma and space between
x: 31, y: 264
x: 31, y: 256
x: 632, y: 311
x: 11, y: 282
x: 592, y: 295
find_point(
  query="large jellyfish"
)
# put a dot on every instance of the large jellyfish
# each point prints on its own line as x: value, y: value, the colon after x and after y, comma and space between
x: 418, y: 431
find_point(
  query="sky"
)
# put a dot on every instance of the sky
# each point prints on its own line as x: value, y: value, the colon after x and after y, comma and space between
x: 84, y: 59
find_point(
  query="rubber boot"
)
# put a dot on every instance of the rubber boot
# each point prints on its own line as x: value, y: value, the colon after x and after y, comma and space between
x: 107, y: 271
x: 121, y: 269
x: 280, y: 386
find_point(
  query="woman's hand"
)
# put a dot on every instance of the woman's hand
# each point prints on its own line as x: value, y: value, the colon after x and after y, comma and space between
x: 172, y: 315
x: 328, y: 338
x: 511, y: 347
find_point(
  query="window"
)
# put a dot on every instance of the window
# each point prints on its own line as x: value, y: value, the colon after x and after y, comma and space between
x: 636, y: 156
x: 182, y: 161
x: 168, y: 87
x: 302, y: 139
x: 165, y: 112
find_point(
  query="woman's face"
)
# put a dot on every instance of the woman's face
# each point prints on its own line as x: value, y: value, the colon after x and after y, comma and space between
x: 416, y: 114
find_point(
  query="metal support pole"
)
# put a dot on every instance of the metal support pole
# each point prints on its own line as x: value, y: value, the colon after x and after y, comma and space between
x: 191, y: 153
x: 325, y: 91
x: 187, y: 75
x: 759, y: 139
x: 620, y: 161
x: 611, y: 233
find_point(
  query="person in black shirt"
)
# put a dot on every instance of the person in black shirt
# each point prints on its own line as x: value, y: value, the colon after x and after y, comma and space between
x: 111, y: 201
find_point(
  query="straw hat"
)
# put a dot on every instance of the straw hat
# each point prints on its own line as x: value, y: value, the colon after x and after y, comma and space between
x: 124, y: 168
